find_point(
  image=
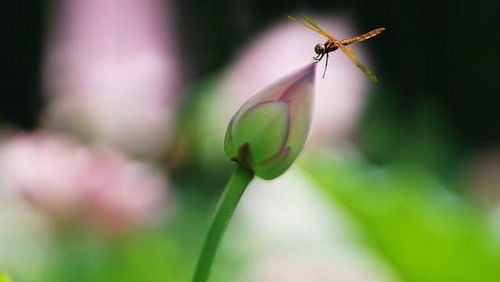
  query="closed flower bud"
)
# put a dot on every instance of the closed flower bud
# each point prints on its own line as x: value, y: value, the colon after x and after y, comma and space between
x: 269, y: 130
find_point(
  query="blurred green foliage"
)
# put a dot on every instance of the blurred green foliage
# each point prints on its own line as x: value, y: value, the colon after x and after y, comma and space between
x: 391, y: 133
x: 148, y: 256
x: 4, y: 277
x: 424, y: 232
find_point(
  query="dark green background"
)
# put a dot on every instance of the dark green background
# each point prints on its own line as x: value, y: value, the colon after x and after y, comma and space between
x: 446, y: 52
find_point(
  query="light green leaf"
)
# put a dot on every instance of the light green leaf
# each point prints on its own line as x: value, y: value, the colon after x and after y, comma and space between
x: 425, y: 233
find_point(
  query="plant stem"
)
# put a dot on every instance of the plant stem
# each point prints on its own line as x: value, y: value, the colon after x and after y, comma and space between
x: 225, y: 209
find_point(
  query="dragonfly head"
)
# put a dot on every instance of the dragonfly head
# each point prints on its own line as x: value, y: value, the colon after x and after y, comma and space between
x: 320, y: 49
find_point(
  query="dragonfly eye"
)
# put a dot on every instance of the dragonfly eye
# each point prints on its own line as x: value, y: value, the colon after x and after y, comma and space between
x: 319, y: 49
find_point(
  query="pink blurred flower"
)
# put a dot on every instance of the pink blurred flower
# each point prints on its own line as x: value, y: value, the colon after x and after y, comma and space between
x: 288, y: 46
x: 111, y: 73
x: 71, y: 182
x: 484, y: 175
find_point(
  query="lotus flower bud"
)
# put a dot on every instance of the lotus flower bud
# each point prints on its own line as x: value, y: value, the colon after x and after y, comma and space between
x: 269, y: 130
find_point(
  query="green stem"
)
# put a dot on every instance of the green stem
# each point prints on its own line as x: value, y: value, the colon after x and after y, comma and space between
x: 225, y: 209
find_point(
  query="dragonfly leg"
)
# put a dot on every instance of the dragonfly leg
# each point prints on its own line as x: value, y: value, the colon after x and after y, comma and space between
x: 319, y: 57
x: 326, y: 65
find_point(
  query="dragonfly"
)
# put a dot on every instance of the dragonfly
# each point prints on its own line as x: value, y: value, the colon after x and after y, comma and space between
x: 333, y: 44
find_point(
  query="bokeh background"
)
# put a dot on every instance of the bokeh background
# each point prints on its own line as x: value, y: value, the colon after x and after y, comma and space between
x: 112, y: 121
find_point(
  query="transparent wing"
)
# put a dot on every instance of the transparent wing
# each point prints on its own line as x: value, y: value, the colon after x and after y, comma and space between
x: 318, y: 28
x: 301, y: 23
x: 311, y: 27
x: 351, y: 55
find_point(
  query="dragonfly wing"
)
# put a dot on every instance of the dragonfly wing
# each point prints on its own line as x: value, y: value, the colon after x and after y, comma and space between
x: 302, y: 23
x: 354, y: 58
x: 311, y: 22
x: 318, y: 28
x: 314, y: 27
